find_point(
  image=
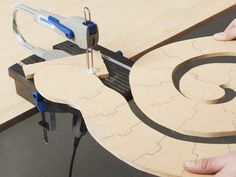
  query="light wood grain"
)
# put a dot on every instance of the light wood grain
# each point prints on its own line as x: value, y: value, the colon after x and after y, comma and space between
x: 195, y: 108
x: 78, y: 60
x: 112, y: 123
x: 131, y: 26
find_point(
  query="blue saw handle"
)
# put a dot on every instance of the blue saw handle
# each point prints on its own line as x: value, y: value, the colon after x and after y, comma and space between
x: 67, y: 31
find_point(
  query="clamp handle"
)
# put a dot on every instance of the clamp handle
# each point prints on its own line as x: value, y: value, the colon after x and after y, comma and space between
x: 67, y: 31
x: 42, y: 107
x: 39, y: 101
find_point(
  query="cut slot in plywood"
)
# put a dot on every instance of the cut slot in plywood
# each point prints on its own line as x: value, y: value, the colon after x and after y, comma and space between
x: 115, y: 127
x: 204, y: 101
x: 111, y: 122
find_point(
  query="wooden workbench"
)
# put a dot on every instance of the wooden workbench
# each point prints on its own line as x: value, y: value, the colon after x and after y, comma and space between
x: 134, y: 26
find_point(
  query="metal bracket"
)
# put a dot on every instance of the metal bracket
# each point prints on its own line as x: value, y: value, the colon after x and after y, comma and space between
x: 43, y: 53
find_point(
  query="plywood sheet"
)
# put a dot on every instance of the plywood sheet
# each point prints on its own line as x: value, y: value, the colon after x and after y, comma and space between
x: 111, y: 122
x: 132, y: 26
x: 199, y: 101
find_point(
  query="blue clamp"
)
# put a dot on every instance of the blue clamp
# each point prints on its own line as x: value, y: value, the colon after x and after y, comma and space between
x: 67, y: 31
x: 92, y: 27
x: 119, y: 53
x: 39, y: 101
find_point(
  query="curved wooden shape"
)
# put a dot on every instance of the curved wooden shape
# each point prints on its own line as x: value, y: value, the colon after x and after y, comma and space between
x: 119, y: 24
x: 111, y: 122
x: 181, y: 86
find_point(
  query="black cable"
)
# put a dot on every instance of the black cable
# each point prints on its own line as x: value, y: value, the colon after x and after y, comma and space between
x: 76, y: 144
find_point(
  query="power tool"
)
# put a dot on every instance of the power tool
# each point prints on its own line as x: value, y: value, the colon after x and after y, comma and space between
x: 81, y: 31
x: 81, y: 37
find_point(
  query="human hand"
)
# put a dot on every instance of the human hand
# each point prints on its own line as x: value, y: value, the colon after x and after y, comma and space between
x: 228, y: 34
x: 221, y: 166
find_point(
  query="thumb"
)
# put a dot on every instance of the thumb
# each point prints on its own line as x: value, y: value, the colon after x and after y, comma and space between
x: 222, y: 37
x: 225, y: 36
x: 204, y: 166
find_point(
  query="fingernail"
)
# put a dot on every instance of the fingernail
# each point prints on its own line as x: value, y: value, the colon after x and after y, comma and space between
x: 190, y: 164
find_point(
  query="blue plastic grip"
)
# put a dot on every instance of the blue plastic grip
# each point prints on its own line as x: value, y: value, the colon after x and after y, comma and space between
x: 92, y: 27
x: 67, y: 31
x: 39, y: 102
x: 119, y: 53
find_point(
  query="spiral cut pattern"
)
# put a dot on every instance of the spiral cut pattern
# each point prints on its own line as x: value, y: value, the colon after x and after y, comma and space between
x: 168, y: 98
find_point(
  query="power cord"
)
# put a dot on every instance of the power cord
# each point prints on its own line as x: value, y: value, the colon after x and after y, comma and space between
x: 76, y: 144
x: 79, y: 129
